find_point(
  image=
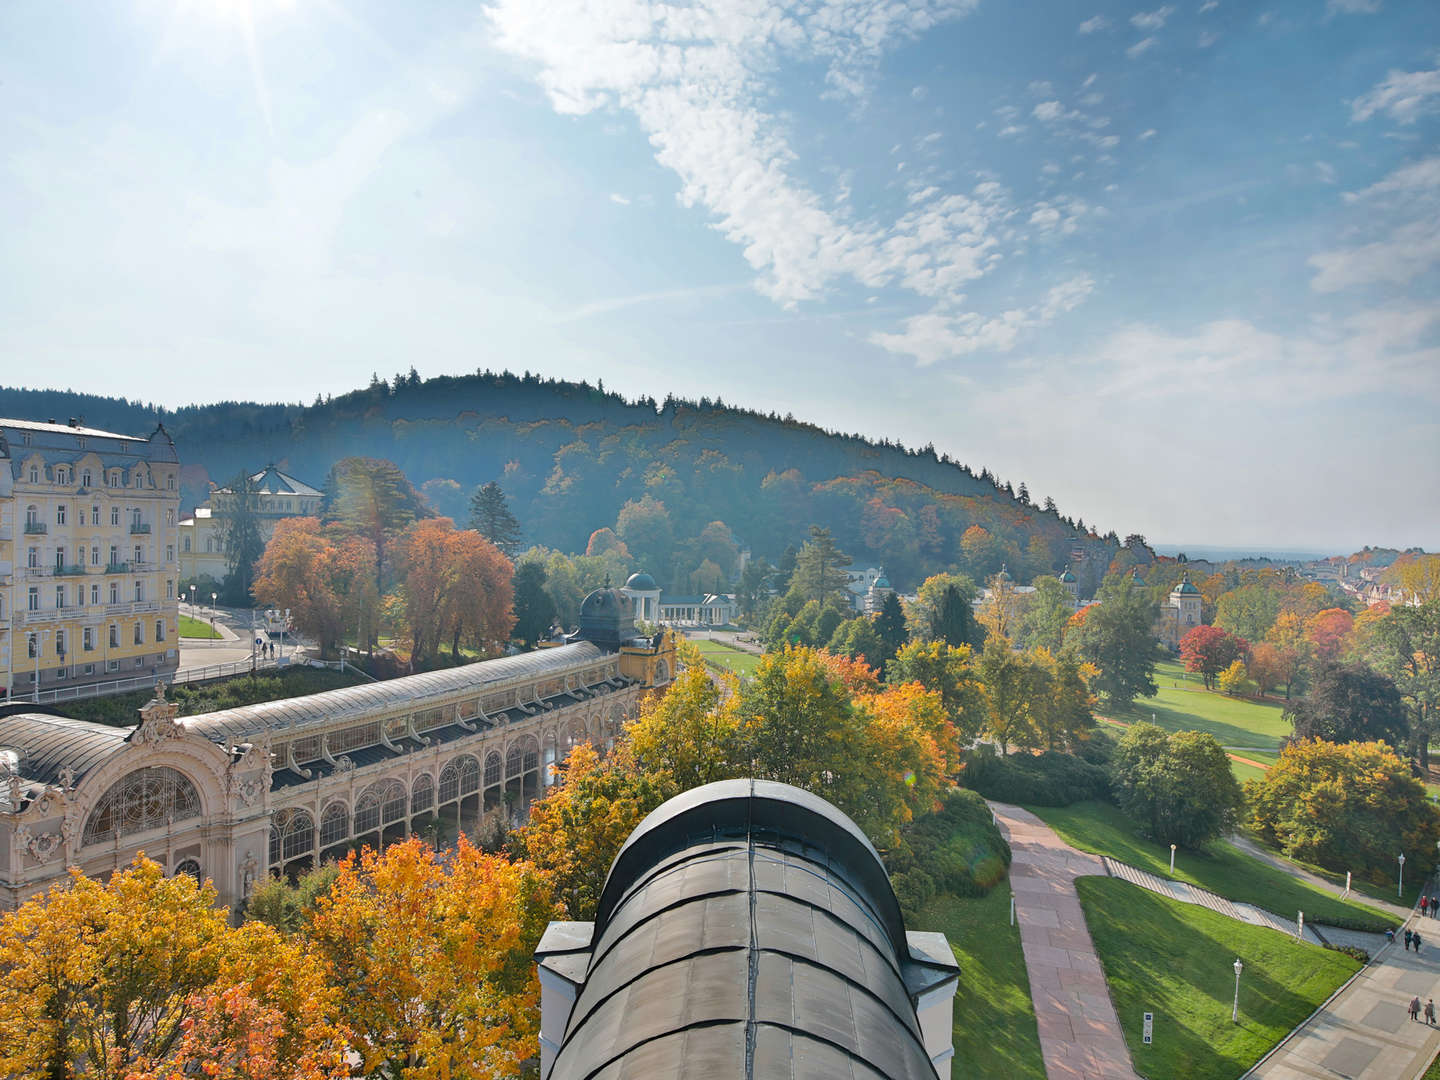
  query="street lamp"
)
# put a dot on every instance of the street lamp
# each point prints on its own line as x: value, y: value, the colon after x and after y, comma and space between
x: 213, y: 598
x: 1400, y: 888
x: 1172, y: 860
x: 1235, y: 1010
x: 192, y: 598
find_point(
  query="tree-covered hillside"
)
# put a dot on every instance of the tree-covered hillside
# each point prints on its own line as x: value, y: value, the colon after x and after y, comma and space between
x: 574, y: 458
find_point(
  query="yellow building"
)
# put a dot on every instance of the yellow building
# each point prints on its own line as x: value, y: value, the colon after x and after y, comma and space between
x: 88, y: 556
x: 202, y: 534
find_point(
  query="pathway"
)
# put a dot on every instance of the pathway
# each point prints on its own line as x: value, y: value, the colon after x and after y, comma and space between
x: 1080, y: 1036
x: 1364, y: 1032
x: 1255, y: 851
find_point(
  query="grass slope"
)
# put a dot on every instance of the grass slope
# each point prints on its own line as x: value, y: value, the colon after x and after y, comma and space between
x: 1106, y: 830
x: 722, y: 656
x: 1174, y: 960
x: 195, y: 628
x: 1183, y: 704
x: 994, y: 1026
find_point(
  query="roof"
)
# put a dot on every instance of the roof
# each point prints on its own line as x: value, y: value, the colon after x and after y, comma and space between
x: 641, y: 582
x: 246, y: 722
x: 271, y: 481
x: 1185, y: 588
x: 46, y: 744
x: 1066, y: 576
x: 66, y: 429
x: 747, y: 929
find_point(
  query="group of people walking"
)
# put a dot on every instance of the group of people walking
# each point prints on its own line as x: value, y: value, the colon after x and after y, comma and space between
x: 1430, y: 905
x: 1429, y: 1010
x: 1412, y: 937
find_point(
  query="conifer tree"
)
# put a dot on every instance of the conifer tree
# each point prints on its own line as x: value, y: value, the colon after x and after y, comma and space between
x: 490, y: 516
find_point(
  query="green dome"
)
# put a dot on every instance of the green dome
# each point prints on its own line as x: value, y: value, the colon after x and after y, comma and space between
x: 1067, y: 577
x: 1185, y: 588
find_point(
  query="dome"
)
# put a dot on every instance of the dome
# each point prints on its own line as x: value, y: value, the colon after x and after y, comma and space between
x: 1067, y: 577
x: 1185, y: 588
x: 641, y: 582
x: 882, y: 582
x: 607, y: 618
x: 1004, y: 574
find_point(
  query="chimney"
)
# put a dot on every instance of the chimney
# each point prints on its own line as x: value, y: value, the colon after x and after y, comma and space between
x: 74, y: 422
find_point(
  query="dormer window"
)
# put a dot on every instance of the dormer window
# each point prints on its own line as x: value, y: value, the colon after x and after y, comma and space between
x: 34, y: 474
x: 85, y: 478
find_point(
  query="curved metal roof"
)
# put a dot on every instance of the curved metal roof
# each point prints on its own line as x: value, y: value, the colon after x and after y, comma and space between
x: 246, y: 722
x: 47, y: 744
x: 755, y: 946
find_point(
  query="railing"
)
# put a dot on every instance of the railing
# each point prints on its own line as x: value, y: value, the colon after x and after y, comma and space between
x: 90, y: 611
x: 69, y: 569
x: 117, y: 568
x: 138, y: 528
x: 35, y: 528
x: 145, y: 682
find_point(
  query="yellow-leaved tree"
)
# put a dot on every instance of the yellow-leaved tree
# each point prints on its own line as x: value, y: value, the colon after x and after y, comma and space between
x: 432, y: 959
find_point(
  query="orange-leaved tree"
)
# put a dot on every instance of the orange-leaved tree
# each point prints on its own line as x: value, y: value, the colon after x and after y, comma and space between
x: 432, y: 959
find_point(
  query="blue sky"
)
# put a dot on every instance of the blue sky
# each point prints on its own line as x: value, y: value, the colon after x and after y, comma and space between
x: 1174, y: 265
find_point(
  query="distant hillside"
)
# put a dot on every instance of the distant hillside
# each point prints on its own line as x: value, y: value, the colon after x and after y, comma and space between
x: 571, y: 456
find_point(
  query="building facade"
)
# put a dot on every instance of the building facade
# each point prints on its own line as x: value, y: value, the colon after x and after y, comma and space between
x: 746, y: 929
x: 276, y: 495
x: 88, y: 556
x: 1182, y: 613
x: 277, y: 787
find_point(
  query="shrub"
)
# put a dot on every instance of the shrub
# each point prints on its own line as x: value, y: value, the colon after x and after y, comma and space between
x: 1179, y: 788
x: 1048, y: 779
x: 957, y: 850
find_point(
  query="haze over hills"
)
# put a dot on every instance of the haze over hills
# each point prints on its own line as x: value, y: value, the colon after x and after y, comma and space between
x: 572, y: 457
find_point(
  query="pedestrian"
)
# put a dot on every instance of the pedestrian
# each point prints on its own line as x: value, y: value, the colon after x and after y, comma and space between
x: 1409, y: 937
x: 1424, y: 905
x: 1415, y: 1008
x: 1390, y: 935
x: 1417, y: 942
x: 1434, y: 906
x: 1430, y: 1012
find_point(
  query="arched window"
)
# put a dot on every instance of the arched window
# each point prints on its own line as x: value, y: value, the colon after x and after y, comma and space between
x: 492, y: 768
x: 531, y: 750
x: 292, y: 833
x: 334, y: 824
x: 422, y: 794
x: 513, y: 761
x: 381, y: 803
x: 459, y: 777
x: 143, y: 800
x: 191, y: 867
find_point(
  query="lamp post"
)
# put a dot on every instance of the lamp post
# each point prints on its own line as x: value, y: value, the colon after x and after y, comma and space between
x: 1400, y: 887
x: 192, y: 599
x: 213, y: 598
x: 1235, y: 1010
x: 1172, y: 860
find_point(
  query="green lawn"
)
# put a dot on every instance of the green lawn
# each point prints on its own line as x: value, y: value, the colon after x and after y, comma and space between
x: 995, y: 1033
x: 1175, y: 960
x: 725, y: 657
x: 195, y: 628
x: 1106, y: 830
x: 1183, y: 704
x: 193, y: 698
x: 1244, y: 772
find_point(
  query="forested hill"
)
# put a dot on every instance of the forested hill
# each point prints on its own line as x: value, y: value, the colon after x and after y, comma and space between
x: 572, y: 456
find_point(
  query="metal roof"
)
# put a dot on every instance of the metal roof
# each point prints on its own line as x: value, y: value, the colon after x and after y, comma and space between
x: 747, y: 929
x: 66, y: 429
x: 47, y: 744
x: 246, y: 722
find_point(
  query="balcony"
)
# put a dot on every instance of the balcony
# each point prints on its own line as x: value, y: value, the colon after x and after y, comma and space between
x: 35, y: 528
x: 139, y: 528
x: 118, y: 568
x: 69, y: 569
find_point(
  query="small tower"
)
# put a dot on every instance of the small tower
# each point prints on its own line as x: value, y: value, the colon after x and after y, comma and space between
x: 876, y: 594
x: 641, y: 589
x: 1186, y: 599
x: 1072, y: 587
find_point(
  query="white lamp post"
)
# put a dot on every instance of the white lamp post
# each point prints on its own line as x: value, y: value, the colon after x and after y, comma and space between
x: 1172, y: 860
x: 1400, y: 888
x: 1235, y: 1010
x: 213, y: 598
x: 192, y: 599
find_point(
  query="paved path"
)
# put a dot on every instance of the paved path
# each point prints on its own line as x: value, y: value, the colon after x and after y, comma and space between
x: 1079, y: 1032
x: 1254, y: 850
x: 1364, y: 1032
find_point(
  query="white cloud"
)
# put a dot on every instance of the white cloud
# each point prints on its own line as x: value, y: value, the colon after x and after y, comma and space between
x: 1151, y: 20
x: 1418, y: 176
x: 1148, y: 133
x: 1047, y: 112
x: 1352, y: 7
x: 1092, y: 24
x: 919, y: 93
x: 1041, y: 88
x: 1010, y: 130
x: 1209, y: 5
x: 620, y: 199
x: 1404, y: 255
x: 941, y: 335
x: 1089, y: 80
x: 1326, y: 172
x: 1404, y: 95
x: 1141, y: 47
x: 1207, y: 39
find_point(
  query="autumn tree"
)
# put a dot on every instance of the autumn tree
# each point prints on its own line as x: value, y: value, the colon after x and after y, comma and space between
x: 1046, y: 614
x: 1266, y: 667
x: 1208, y: 650
x: 1288, y: 637
x: 575, y: 832
x: 1327, y: 630
x: 1064, y: 714
x: 644, y: 524
x: 1345, y: 806
x: 1178, y: 787
x: 432, y: 959
x: 456, y: 583
x: 948, y: 671
x: 1011, y: 695
x: 371, y: 498
x: 1417, y: 575
x: 1349, y: 703
x: 603, y: 541
x: 690, y: 735
x: 481, y: 608
x: 1002, y: 608
x: 1407, y: 649
x: 1235, y: 679
x: 490, y: 516
x: 327, y: 584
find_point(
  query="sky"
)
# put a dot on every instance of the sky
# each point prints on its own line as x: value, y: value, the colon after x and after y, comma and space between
x: 1176, y: 266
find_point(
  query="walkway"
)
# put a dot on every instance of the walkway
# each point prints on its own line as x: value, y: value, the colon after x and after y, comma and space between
x: 1255, y: 851
x: 1079, y: 1032
x: 1364, y: 1032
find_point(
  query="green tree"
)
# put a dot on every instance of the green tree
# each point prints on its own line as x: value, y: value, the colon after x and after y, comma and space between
x: 1011, y: 695
x: 1046, y: 614
x: 1179, y: 788
x: 1248, y: 611
x: 241, y: 538
x: 856, y: 639
x: 1407, y: 648
x: 1346, y: 806
x: 534, y: 610
x: 890, y: 626
x: 1118, y: 637
x: 1350, y: 703
x: 820, y: 568
x: 644, y: 525
x: 946, y: 670
x: 371, y: 498
x: 490, y: 516
x: 754, y: 586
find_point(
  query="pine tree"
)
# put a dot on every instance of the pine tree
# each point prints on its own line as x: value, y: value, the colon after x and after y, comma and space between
x: 241, y: 538
x: 492, y: 519
x: 890, y: 626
